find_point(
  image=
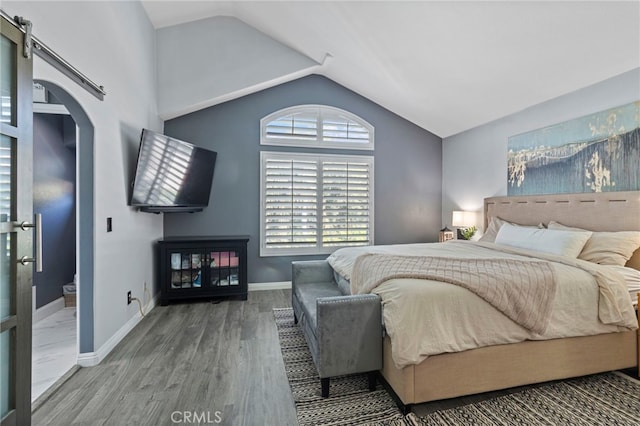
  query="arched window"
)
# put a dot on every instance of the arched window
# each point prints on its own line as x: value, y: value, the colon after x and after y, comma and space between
x: 317, y: 126
x: 315, y: 203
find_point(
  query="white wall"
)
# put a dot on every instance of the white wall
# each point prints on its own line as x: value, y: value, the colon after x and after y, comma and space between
x: 113, y: 43
x: 238, y: 60
x: 474, y: 162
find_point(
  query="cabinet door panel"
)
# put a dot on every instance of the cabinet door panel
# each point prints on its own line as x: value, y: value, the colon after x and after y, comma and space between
x: 223, y: 267
x: 186, y: 269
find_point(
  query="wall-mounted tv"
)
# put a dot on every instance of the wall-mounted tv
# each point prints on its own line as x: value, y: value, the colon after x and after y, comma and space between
x: 171, y: 175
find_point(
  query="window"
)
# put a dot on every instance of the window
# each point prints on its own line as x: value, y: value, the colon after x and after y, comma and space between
x: 316, y: 126
x: 312, y: 204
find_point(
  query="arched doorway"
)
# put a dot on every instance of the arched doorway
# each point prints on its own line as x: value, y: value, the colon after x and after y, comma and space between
x: 84, y: 214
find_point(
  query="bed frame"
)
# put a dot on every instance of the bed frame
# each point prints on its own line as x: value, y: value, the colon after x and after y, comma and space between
x: 503, y: 366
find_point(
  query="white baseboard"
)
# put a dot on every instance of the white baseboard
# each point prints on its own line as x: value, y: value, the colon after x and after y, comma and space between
x: 48, y: 309
x: 277, y: 285
x: 91, y: 359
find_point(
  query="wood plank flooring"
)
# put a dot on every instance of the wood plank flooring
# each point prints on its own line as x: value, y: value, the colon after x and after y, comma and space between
x: 221, y: 361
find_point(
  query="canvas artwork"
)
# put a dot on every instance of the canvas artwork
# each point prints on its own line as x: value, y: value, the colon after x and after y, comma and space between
x: 595, y: 153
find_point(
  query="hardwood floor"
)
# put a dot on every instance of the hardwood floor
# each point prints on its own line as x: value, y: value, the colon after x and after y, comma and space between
x: 219, y: 363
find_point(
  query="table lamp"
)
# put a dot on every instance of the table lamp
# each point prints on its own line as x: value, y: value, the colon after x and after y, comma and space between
x: 465, y: 222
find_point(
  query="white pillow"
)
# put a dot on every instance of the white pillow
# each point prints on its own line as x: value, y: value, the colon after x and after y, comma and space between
x: 552, y: 241
x: 495, y: 223
x: 606, y: 248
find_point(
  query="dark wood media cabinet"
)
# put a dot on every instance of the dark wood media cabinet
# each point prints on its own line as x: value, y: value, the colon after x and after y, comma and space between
x: 202, y: 267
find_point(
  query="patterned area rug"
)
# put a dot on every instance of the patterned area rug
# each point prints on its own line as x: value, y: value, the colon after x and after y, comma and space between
x: 602, y: 399
x: 349, y: 403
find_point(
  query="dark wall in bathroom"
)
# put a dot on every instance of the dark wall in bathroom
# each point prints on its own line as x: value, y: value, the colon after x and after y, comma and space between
x: 54, y: 187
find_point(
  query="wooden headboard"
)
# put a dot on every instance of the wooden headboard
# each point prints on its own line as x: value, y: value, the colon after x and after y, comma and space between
x: 601, y: 211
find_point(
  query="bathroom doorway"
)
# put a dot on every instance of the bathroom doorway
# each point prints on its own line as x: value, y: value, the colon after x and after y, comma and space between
x: 77, y: 142
x: 54, y: 333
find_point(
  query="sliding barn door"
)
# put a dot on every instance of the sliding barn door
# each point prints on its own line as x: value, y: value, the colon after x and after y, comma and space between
x: 16, y: 227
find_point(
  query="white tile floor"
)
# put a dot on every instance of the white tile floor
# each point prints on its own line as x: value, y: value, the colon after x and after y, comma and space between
x: 54, y: 349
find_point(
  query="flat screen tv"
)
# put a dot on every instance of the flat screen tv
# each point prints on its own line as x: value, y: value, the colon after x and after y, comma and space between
x: 171, y: 175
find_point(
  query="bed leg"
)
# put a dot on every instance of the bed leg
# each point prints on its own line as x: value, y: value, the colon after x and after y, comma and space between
x: 295, y: 318
x: 372, y: 379
x: 324, y: 383
x: 405, y: 408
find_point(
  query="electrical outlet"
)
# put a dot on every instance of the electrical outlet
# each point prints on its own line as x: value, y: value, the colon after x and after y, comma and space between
x: 128, y: 298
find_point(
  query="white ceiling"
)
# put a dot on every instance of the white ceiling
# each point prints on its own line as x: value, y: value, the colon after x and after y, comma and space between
x: 446, y: 66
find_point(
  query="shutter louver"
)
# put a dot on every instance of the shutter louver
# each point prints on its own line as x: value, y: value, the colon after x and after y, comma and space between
x: 345, y: 201
x: 316, y: 126
x: 290, y: 203
x: 301, y: 126
x: 337, y: 128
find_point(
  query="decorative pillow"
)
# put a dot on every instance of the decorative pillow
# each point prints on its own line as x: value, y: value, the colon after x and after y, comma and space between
x: 552, y: 241
x: 494, y: 226
x: 606, y: 248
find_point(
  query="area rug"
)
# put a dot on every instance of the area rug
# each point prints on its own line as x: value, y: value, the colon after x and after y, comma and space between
x: 350, y: 402
x: 602, y: 399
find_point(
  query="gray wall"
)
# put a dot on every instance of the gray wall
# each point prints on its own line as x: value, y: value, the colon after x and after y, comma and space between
x: 54, y: 197
x: 407, y: 169
x: 474, y: 162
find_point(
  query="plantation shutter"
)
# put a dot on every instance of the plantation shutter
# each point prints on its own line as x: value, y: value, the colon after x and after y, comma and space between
x: 346, y: 203
x: 338, y: 128
x: 312, y: 204
x: 290, y: 203
x: 315, y: 203
x: 316, y: 126
x: 300, y: 126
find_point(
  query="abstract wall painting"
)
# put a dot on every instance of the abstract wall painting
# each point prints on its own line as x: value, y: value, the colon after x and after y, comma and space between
x: 596, y: 153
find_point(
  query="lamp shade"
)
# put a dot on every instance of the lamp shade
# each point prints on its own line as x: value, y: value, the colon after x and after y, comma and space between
x: 463, y: 218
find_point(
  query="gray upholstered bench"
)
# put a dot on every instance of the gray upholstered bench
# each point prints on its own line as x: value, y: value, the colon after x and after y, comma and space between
x: 343, y: 331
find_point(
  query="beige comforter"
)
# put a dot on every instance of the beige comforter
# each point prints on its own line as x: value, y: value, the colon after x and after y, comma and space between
x: 428, y: 317
x: 522, y: 290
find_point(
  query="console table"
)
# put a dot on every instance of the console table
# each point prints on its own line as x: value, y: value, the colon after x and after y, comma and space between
x: 202, y: 267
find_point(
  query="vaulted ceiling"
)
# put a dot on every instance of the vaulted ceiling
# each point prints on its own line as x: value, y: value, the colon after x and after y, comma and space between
x: 447, y: 66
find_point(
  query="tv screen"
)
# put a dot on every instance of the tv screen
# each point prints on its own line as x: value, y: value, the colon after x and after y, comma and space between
x: 171, y: 175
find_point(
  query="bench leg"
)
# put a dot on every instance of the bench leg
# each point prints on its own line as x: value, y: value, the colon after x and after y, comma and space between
x: 372, y: 376
x: 324, y: 383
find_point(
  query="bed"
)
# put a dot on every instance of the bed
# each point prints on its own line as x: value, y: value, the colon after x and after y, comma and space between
x: 536, y: 358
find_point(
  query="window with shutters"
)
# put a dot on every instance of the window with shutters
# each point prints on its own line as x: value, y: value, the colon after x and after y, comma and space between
x: 316, y: 126
x: 312, y: 204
